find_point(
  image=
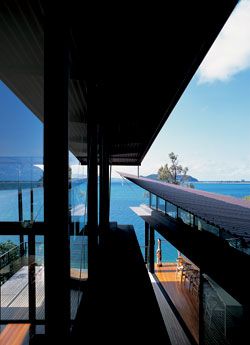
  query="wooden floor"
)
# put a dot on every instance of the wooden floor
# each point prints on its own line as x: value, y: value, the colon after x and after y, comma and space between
x: 185, y: 302
x: 76, y: 273
x: 14, y: 296
x: 15, y: 334
x: 176, y: 334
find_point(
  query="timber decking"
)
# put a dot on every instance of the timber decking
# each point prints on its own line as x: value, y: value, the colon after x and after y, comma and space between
x: 15, y: 334
x: 185, y: 302
x: 176, y: 334
x: 76, y: 273
x: 14, y: 296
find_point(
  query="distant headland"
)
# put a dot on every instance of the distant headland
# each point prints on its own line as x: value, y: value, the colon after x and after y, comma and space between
x: 227, y: 182
x: 189, y: 178
x: 193, y: 180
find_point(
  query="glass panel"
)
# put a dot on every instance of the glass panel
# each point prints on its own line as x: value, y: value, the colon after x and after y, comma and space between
x: 161, y: 205
x: 19, y: 271
x: 8, y: 191
x: 39, y: 278
x: 14, y: 300
x: 186, y: 217
x: 171, y: 210
x: 78, y: 270
x: 146, y: 197
x: 79, y: 257
x: 202, y: 225
x: 16, y: 195
x: 77, y: 193
x: 153, y: 201
x: 123, y: 195
x: 223, y: 316
x: 78, y: 219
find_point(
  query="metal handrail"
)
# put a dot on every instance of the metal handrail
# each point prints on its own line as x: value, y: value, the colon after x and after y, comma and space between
x: 10, y: 251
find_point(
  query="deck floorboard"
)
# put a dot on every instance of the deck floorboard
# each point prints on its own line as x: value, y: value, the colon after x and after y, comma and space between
x: 185, y: 302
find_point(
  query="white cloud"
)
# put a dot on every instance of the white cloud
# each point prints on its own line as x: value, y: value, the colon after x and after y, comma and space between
x: 217, y: 170
x: 40, y: 166
x: 77, y: 171
x: 230, y: 53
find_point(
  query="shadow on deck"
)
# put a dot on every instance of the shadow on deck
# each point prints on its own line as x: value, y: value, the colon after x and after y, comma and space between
x: 123, y: 307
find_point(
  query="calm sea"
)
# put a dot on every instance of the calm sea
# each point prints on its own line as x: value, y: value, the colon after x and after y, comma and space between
x: 123, y: 195
x: 126, y: 194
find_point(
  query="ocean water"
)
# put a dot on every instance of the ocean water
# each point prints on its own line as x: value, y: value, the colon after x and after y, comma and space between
x: 237, y: 190
x: 124, y: 194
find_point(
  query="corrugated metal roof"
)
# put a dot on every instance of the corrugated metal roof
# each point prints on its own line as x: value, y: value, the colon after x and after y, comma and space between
x: 226, y: 212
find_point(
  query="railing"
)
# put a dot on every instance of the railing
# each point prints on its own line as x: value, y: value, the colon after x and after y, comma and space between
x: 180, y: 215
x: 13, y: 254
x: 234, y: 242
x: 79, y: 254
x: 10, y: 259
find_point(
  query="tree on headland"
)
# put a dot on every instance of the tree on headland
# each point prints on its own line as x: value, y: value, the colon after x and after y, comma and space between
x: 174, y: 173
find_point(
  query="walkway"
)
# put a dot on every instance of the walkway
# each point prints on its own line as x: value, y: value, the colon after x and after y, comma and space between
x: 185, y: 302
x: 176, y: 334
x: 14, y: 295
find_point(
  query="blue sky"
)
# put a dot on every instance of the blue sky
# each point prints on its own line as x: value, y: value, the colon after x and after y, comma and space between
x: 209, y: 128
x: 21, y: 132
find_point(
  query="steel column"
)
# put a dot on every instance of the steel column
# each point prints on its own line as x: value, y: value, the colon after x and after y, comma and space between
x: 32, y: 278
x: 20, y: 217
x: 146, y: 242
x: 151, y: 250
x: 92, y: 197
x: 104, y: 183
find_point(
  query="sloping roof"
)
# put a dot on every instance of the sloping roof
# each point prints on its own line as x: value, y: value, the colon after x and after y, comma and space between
x: 226, y: 212
x: 139, y: 60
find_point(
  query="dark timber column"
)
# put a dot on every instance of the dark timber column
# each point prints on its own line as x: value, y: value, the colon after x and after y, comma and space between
x: 32, y: 276
x: 146, y: 242
x: 31, y: 204
x: 32, y: 265
x: 20, y: 218
x: 20, y: 204
x: 151, y: 250
x: 92, y: 201
x: 104, y: 182
x: 57, y: 254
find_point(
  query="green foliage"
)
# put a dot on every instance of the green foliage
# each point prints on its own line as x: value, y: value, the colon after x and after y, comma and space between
x: 247, y: 197
x: 170, y: 173
x: 6, y: 246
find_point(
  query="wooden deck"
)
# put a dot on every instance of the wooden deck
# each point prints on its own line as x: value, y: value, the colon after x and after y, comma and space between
x: 176, y: 334
x: 185, y: 302
x: 14, y: 296
x: 15, y: 334
x: 76, y: 273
